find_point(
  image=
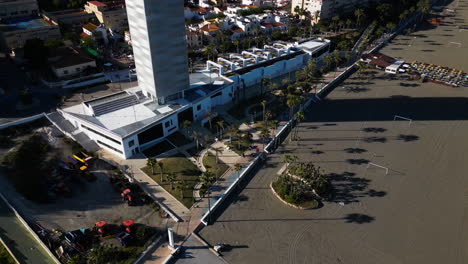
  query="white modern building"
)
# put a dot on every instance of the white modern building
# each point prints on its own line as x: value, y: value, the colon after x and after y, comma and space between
x: 159, y: 47
x: 330, y: 8
x: 127, y: 122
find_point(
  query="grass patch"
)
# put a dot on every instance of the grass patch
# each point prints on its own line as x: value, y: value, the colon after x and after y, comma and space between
x: 158, y: 149
x: 184, y: 170
x: 179, y: 139
x: 218, y: 169
x: 5, y: 257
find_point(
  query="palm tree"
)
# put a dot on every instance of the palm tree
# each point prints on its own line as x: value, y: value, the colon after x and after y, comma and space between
x: 161, y: 167
x: 217, y: 152
x: 336, y: 59
x: 328, y: 60
x: 299, y: 117
x: 209, y: 115
x: 237, y: 168
x: 171, y: 177
x: 316, y: 16
x: 264, y: 134
x: 210, y: 51
x: 264, y: 82
x: 361, y: 66
x: 348, y: 23
x: 151, y: 162
x: 196, y: 136
x: 237, y: 43
x: 187, y: 124
x: 207, y: 178
x: 181, y: 186
x: 264, y: 103
x: 220, y: 125
x: 293, y: 101
x: 335, y: 20
x: 391, y: 26
x: 358, y: 13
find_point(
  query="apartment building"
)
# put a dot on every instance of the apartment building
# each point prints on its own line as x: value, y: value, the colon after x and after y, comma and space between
x: 330, y: 8
x: 112, y: 14
x: 18, y: 8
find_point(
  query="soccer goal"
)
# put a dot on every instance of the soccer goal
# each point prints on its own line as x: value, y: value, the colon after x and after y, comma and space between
x: 397, y: 117
x: 455, y: 44
x: 378, y: 166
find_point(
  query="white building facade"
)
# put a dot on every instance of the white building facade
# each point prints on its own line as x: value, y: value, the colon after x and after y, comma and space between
x: 159, y: 47
x: 330, y: 8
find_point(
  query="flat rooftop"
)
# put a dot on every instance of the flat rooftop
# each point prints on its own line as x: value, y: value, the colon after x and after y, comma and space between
x: 129, y: 111
x: 313, y: 45
x: 24, y: 24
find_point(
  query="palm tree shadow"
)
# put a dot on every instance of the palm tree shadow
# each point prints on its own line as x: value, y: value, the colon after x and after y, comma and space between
x: 358, y: 218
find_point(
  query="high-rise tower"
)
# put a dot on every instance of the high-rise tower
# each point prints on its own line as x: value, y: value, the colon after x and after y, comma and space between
x: 157, y: 28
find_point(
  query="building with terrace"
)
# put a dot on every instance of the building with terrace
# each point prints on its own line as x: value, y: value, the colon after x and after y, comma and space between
x: 112, y: 14
x: 127, y: 122
x: 15, y: 32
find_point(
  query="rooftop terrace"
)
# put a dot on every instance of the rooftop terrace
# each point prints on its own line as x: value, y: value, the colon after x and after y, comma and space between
x: 24, y: 24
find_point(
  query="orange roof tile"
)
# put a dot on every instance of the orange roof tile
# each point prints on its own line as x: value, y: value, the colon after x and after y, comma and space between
x: 210, y: 28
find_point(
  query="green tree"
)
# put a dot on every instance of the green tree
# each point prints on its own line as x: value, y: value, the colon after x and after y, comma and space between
x: 171, y: 177
x: 359, y: 14
x: 384, y: 11
x: 210, y: 51
x: 424, y: 6
x: 88, y: 42
x: 151, y: 162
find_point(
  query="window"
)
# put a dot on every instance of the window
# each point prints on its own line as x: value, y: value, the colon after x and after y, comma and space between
x: 167, y: 124
x: 199, y: 107
x: 100, y: 134
x: 131, y: 143
x: 77, y: 69
x: 109, y: 147
x: 65, y: 72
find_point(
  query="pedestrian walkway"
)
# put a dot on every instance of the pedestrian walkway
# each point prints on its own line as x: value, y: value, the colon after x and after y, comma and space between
x: 133, y: 167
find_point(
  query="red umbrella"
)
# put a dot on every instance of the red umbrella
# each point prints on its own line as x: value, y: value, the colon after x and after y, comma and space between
x: 126, y: 191
x: 128, y: 222
x: 101, y: 223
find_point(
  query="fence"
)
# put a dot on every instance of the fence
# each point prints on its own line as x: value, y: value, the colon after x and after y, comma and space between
x: 245, y: 172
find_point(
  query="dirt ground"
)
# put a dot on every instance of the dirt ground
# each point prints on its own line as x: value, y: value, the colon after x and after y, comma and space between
x: 437, y: 45
x: 413, y: 214
x: 89, y: 203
